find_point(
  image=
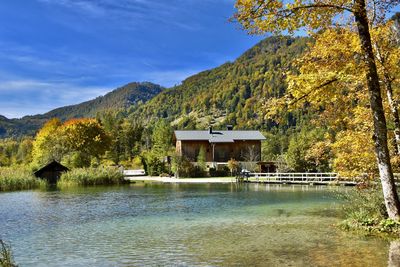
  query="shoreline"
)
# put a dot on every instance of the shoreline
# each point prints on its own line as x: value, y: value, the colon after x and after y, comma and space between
x: 207, y: 180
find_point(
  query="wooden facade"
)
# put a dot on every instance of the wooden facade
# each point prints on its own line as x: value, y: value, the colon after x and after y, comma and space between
x: 220, y: 146
x: 220, y: 152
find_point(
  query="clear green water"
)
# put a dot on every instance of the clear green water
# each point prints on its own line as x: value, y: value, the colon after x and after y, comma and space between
x: 183, y: 225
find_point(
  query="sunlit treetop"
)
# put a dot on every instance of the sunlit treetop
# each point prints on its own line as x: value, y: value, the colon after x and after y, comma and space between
x: 259, y: 16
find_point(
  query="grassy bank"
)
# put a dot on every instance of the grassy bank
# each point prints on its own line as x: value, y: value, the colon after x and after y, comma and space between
x: 91, y: 176
x: 18, y: 178
x: 365, y: 211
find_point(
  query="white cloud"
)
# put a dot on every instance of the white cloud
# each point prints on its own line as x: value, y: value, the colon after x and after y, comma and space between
x: 21, y: 96
x: 27, y: 97
x: 133, y: 12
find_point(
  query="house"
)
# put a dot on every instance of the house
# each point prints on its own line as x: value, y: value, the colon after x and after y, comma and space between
x: 51, y: 172
x: 220, y: 146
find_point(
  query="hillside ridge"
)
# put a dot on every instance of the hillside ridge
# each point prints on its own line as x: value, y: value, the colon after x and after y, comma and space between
x: 232, y: 93
x: 123, y: 97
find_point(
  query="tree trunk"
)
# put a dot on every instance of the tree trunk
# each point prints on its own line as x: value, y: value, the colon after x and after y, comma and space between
x: 394, y: 254
x: 380, y: 131
x: 395, y: 113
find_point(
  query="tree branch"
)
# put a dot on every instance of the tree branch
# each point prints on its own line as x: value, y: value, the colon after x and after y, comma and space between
x: 289, y: 11
x: 324, y: 6
x: 313, y: 91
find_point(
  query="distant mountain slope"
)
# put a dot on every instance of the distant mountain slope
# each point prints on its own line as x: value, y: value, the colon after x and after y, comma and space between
x: 123, y: 97
x: 232, y: 93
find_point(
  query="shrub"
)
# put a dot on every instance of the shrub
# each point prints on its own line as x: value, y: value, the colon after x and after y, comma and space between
x: 219, y: 172
x: 92, y: 176
x: 18, y: 178
x: 365, y: 210
x: 152, y: 164
x: 6, y: 257
x: 233, y: 166
x: 135, y: 163
x: 197, y: 172
x: 184, y: 168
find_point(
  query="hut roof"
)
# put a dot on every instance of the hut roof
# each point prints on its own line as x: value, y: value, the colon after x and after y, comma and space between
x: 216, y: 136
x: 52, y: 166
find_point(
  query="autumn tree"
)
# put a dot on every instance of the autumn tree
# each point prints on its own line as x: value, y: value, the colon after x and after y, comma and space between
x: 76, y: 141
x: 387, y: 52
x: 354, y: 153
x: 233, y: 166
x: 48, y: 143
x: 259, y: 16
x: 84, y: 139
x: 333, y: 61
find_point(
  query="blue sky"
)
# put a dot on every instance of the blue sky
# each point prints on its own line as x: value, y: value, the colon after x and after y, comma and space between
x: 60, y: 52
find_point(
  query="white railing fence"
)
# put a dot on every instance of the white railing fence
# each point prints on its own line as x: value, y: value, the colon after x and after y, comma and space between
x: 292, y: 177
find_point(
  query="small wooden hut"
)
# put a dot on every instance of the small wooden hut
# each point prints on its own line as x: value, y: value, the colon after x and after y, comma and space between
x: 51, y: 172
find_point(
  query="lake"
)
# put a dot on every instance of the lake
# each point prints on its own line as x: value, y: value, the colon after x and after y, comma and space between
x: 184, y: 225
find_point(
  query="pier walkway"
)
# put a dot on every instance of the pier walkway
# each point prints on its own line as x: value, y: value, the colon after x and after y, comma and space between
x: 296, y: 178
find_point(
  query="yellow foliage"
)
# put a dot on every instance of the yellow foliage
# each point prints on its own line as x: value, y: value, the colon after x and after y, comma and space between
x: 47, y: 146
x: 332, y: 80
x: 77, y: 139
x: 354, y: 154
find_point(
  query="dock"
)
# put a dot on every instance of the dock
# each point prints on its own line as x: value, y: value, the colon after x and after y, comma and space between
x: 328, y: 178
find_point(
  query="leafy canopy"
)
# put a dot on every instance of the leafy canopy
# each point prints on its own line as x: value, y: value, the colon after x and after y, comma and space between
x: 259, y: 16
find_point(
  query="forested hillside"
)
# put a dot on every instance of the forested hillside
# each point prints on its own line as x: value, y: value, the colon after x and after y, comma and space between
x: 232, y: 93
x: 121, y: 98
x: 319, y: 134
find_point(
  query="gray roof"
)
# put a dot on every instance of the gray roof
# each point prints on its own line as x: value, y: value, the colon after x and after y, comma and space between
x: 218, y: 136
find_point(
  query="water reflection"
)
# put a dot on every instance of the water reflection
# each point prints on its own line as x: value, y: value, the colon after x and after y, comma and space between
x: 394, y: 254
x: 182, y: 224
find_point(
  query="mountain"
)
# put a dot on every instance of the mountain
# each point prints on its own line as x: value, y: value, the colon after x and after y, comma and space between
x: 232, y: 93
x: 120, y: 98
x: 124, y: 97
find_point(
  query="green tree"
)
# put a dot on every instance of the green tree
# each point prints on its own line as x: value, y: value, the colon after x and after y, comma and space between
x: 201, y: 159
x: 162, y: 137
x: 277, y: 144
x: 111, y: 122
x: 152, y: 163
x: 131, y: 135
x: 301, y: 154
x: 24, y: 153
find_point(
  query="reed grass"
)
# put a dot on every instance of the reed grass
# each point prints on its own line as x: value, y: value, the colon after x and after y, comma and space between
x: 91, y: 176
x: 364, y: 210
x: 18, y: 178
x: 6, y: 256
